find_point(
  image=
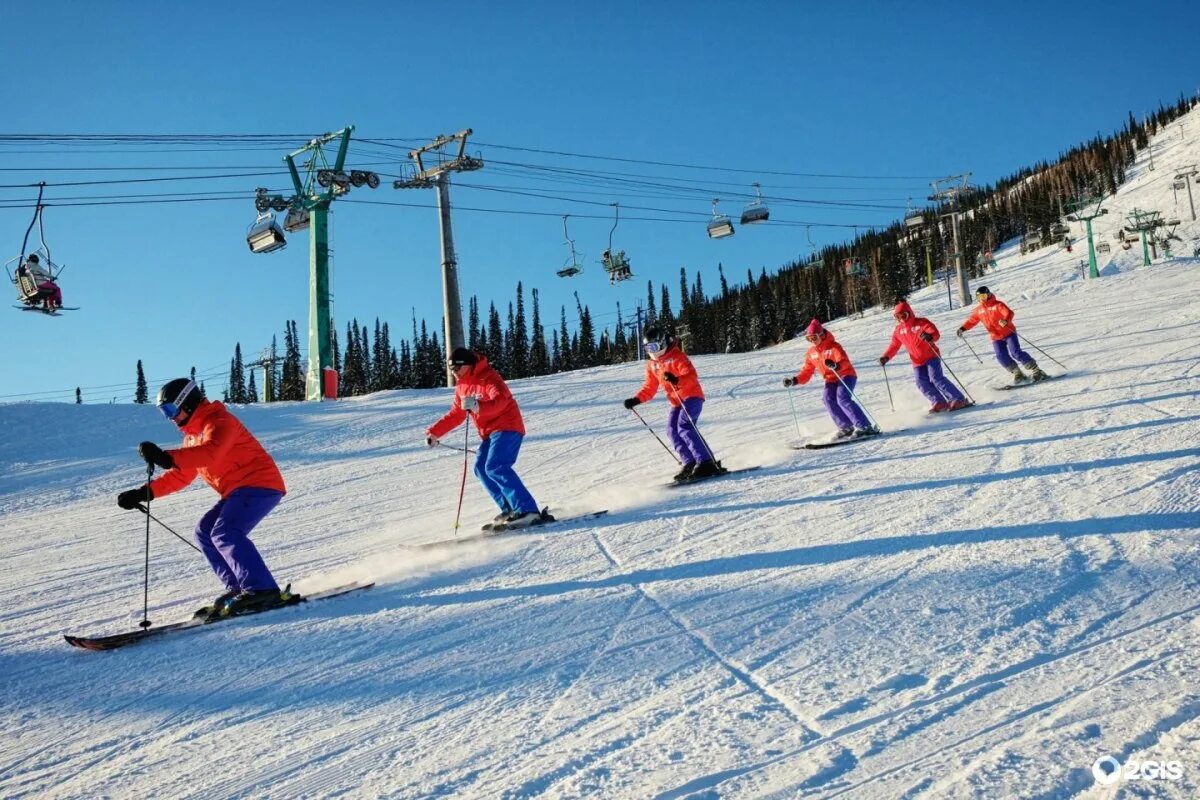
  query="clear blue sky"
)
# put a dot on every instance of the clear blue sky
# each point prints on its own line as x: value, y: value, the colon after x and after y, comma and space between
x: 874, y: 91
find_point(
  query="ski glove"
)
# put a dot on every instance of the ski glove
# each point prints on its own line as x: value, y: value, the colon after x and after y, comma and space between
x: 631, y: 402
x: 830, y: 364
x: 927, y: 337
x: 883, y: 361
x: 470, y: 403
x: 670, y: 378
x: 431, y: 441
x: 129, y: 499
x: 153, y: 454
x: 789, y: 381
x: 961, y: 331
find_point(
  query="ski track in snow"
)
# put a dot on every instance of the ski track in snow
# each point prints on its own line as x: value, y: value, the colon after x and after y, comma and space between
x: 975, y: 605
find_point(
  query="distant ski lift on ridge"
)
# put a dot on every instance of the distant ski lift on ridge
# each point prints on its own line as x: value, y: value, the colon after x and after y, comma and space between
x: 265, y: 235
x: 719, y: 226
x: 616, y: 264
x: 756, y: 211
x: 573, y: 267
x: 914, y: 218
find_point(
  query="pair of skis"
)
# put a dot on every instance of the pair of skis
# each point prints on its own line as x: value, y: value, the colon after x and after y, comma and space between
x: 113, y: 641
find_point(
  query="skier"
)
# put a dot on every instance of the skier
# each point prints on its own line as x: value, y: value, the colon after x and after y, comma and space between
x: 481, y: 392
x: 668, y: 366
x: 47, y: 290
x: 218, y: 448
x: 918, y: 336
x: 997, y: 318
x: 830, y: 358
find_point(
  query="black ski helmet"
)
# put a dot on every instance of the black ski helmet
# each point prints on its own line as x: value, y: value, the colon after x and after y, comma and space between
x: 657, y: 338
x: 178, y: 398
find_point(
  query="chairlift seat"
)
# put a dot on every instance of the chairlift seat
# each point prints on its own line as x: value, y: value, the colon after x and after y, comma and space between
x: 914, y: 220
x: 569, y: 272
x: 297, y: 219
x: 265, y: 236
x: 720, y: 227
x: 755, y: 213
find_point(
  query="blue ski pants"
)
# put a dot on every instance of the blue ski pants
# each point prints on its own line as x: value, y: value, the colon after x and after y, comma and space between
x: 494, y: 468
x: 934, y: 384
x: 1009, y: 353
x: 224, y: 537
x: 841, y: 406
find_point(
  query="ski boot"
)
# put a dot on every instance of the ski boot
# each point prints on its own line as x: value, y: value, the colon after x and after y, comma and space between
x: 527, y: 519
x: 870, y: 430
x: 939, y: 407
x: 706, y: 469
x: 1018, y: 376
x: 502, y: 516
x: 957, y: 404
x: 213, y: 610
x: 844, y: 433
x: 251, y: 601
x: 1035, y: 372
x: 686, y: 472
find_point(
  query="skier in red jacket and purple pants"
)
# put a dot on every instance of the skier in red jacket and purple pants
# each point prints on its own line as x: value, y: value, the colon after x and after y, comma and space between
x: 918, y: 336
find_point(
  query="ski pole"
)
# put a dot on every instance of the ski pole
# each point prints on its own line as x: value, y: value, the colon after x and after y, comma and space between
x: 145, y: 623
x: 452, y: 447
x: 150, y: 516
x: 972, y: 349
x: 692, y: 422
x: 960, y: 383
x: 1043, y: 352
x: 655, y: 435
x: 462, y: 490
x: 888, y: 385
x: 795, y: 416
x: 857, y: 402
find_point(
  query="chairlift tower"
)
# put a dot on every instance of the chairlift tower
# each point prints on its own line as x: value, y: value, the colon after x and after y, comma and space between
x: 439, y: 177
x: 1187, y: 175
x: 948, y: 191
x: 323, y: 182
x: 1086, y: 209
x: 1143, y: 222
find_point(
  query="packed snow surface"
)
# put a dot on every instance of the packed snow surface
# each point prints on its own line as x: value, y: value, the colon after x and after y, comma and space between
x: 975, y: 605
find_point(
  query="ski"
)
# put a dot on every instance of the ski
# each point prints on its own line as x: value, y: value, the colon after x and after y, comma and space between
x: 491, y: 530
x: 835, y: 442
x: 113, y: 641
x: 724, y: 472
x: 53, y: 313
x: 1024, y: 384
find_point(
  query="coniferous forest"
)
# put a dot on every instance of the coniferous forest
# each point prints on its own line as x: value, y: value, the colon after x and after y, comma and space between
x: 744, y: 313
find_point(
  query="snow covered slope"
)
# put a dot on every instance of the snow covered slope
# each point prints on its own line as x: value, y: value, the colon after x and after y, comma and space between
x: 976, y: 605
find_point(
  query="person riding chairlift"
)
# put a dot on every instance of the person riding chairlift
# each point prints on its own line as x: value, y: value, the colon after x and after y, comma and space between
x: 47, y: 290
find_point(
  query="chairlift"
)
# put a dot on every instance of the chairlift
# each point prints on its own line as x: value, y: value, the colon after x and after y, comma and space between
x: 756, y: 211
x: 720, y: 225
x: 1104, y: 247
x: 265, y: 235
x: 34, y: 273
x: 1177, y: 185
x: 574, y: 267
x: 615, y: 264
x: 854, y: 268
x: 1059, y: 229
x: 297, y: 219
x: 913, y: 218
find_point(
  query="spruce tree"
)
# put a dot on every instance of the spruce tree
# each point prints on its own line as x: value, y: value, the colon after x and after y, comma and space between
x: 141, y: 395
x: 495, y: 342
x: 251, y: 391
x: 78, y: 396
x: 519, y: 339
x: 539, y: 359
x: 237, y: 376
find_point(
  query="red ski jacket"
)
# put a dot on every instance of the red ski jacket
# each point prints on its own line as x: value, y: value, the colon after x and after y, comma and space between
x: 218, y: 448
x: 676, y: 362
x: 818, y: 354
x: 995, y: 316
x: 498, y: 409
x: 908, y: 333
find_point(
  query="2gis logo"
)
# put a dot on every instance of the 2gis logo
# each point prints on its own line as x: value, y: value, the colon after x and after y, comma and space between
x: 1108, y: 770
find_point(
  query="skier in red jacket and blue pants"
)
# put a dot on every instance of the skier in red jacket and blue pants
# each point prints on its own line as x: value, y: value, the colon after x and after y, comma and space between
x: 481, y: 392
x: 918, y: 336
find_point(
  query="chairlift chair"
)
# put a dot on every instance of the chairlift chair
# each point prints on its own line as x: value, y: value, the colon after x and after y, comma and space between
x: 720, y: 225
x: 1104, y: 247
x: 756, y: 211
x: 616, y: 264
x: 1059, y: 229
x: 913, y: 218
x: 297, y: 219
x: 265, y: 235
x: 572, y: 268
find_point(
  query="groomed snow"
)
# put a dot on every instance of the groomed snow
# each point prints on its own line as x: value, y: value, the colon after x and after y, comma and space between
x: 976, y: 605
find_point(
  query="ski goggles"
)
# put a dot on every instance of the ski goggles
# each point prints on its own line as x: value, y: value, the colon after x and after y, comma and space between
x: 654, y: 347
x: 170, y: 408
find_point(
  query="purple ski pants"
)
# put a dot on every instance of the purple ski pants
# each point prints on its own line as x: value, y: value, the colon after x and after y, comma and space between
x: 841, y: 406
x: 933, y: 383
x: 1009, y: 353
x: 684, y: 436
x: 223, y: 535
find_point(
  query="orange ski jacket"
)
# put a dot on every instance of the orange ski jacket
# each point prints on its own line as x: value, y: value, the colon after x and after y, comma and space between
x: 218, y: 448
x: 676, y: 362
x: 498, y: 410
x: 908, y: 333
x: 995, y: 316
x: 818, y: 354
